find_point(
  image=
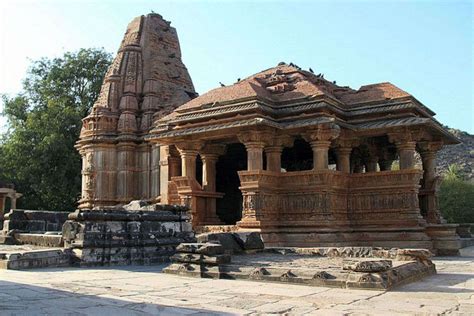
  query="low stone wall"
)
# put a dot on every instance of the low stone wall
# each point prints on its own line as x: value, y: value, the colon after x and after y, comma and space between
x: 34, y: 221
x: 122, y: 237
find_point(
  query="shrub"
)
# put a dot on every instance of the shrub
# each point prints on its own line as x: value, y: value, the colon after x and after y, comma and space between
x: 456, y: 198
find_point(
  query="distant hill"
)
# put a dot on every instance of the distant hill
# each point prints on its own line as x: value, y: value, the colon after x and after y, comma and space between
x: 461, y: 154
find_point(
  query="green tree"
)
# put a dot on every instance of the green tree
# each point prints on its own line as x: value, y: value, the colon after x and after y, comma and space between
x: 37, y: 152
x: 456, y: 197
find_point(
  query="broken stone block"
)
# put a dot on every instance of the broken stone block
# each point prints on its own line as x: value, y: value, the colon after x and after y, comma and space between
x: 198, y: 258
x: 231, y: 243
x: 413, y: 254
x: 253, y: 241
x: 366, y: 265
x: 201, y: 248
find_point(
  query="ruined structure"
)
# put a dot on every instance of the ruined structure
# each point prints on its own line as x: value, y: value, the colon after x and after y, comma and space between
x: 7, y: 191
x: 285, y: 152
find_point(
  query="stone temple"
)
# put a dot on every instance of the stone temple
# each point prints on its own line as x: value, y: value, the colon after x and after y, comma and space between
x: 284, y: 152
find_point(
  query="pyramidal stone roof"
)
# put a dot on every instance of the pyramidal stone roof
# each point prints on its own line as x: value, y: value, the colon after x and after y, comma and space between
x: 146, y: 80
x: 287, y: 97
x: 286, y: 83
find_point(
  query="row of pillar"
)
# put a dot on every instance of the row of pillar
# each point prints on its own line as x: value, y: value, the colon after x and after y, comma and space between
x: 257, y: 142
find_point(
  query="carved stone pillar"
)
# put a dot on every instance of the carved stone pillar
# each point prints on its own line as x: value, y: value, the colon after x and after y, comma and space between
x: 428, y: 152
x: 429, y: 190
x: 170, y: 166
x: 406, y: 144
x: 254, y: 155
x: 320, y: 140
x: 209, y: 172
x: 344, y: 159
x: 274, y: 158
x: 406, y: 152
x: 188, y: 152
x: 209, y: 155
x: 188, y: 162
x: 155, y: 172
x: 164, y: 173
x: 274, y: 150
x: 320, y: 154
x: 255, y: 142
x: 174, y: 166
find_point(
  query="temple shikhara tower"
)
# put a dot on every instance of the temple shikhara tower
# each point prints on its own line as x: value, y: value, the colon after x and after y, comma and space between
x: 285, y: 152
x: 146, y: 81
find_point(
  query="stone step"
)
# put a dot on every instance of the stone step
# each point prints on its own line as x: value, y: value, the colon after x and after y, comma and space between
x: 45, y: 240
x: 47, y: 258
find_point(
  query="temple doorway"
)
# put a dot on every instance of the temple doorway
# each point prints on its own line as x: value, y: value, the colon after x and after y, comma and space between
x: 229, y: 208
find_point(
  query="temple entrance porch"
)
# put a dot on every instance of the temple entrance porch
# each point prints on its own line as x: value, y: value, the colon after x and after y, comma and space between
x: 320, y: 186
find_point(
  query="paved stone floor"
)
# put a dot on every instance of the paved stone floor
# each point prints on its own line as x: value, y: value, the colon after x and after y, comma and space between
x: 145, y: 291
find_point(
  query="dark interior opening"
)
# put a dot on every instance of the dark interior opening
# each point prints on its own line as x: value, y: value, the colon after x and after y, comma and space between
x: 199, y: 169
x: 229, y: 208
x: 297, y: 158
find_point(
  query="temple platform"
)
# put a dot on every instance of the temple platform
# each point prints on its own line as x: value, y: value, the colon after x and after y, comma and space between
x: 342, y: 267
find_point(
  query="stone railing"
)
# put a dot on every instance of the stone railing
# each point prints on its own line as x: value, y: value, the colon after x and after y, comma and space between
x: 385, y: 179
x: 201, y: 203
x: 293, y: 198
x: 385, y: 198
x: 325, y: 198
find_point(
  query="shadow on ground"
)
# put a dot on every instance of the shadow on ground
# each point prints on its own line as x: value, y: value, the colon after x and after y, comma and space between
x: 25, y: 299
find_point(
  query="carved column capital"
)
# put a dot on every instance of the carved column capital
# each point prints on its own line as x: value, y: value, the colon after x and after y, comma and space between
x: 405, y: 140
x: 189, y: 147
x: 256, y: 138
x: 213, y: 149
x: 320, y: 139
x: 277, y: 143
x: 322, y: 133
x: 429, y: 147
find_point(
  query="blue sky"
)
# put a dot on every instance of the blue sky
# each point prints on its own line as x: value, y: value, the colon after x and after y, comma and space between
x: 424, y: 47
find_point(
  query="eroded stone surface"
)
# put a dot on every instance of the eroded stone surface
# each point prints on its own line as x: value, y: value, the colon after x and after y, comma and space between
x: 366, y: 265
